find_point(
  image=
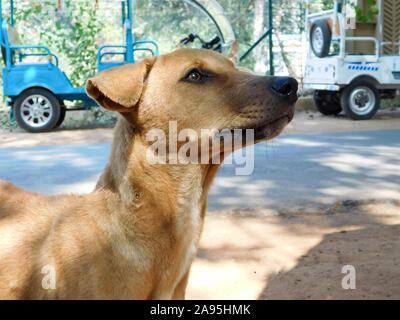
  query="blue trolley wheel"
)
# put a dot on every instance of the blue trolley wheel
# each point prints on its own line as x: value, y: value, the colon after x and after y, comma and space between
x: 37, y: 110
x: 63, y: 112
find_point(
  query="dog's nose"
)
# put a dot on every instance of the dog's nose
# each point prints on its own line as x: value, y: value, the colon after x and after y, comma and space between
x: 284, y: 87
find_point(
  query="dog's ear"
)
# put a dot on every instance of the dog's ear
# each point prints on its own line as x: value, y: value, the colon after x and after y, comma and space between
x: 232, y: 55
x: 119, y: 89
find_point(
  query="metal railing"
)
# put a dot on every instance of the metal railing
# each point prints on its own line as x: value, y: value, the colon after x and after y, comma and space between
x: 390, y: 43
x: 101, y: 54
x: 336, y: 16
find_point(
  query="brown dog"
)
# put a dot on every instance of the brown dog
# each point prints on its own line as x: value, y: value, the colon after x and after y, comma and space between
x: 136, y: 235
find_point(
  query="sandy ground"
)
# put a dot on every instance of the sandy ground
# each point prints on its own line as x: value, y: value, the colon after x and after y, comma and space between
x: 304, y: 122
x: 293, y: 255
x: 300, y: 256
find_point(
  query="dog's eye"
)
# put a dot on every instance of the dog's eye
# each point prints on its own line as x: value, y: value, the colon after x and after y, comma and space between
x: 194, y: 75
x: 197, y: 76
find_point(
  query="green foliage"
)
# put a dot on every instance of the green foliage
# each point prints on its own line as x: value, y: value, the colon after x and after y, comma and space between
x: 167, y: 22
x: 371, y: 12
x: 94, y: 118
x: 75, y: 33
x: 77, y: 38
x: 5, y: 119
x: 71, y: 32
x: 319, y: 5
x: 105, y: 117
x: 327, y: 4
x: 390, y: 104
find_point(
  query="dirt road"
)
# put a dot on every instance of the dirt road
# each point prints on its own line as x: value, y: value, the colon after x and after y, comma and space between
x: 300, y: 256
x: 304, y: 122
x: 293, y: 255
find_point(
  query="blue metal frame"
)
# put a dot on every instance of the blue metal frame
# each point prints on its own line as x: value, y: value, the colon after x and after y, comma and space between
x: 128, y: 53
x: 129, y: 47
x: 20, y: 77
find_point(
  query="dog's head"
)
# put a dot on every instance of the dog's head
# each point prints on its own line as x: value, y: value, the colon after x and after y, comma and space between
x: 200, y: 89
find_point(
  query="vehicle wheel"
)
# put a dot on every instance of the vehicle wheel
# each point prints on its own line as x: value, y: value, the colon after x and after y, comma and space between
x: 360, y: 100
x: 37, y: 110
x: 320, y: 38
x: 63, y: 112
x: 327, y: 102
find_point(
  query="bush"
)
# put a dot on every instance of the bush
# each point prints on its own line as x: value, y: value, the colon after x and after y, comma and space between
x: 390, y: 104
x: 94, y: 118
x: 105, y: 117
x: 5, y: 122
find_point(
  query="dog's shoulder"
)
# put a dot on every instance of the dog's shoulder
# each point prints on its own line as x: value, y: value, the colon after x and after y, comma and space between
x: 8, y: 191
x: 13, y: 198
x: 6, y: 186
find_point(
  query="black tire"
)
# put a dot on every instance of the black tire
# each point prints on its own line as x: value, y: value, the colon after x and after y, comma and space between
x: 320, y: 34
x: 47, y: 109
x: 327, y: 102
x: 361, y: 100
x: 63, y: 112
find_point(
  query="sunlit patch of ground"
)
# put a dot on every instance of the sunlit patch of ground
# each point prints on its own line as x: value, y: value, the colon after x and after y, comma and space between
x: 300, y: 254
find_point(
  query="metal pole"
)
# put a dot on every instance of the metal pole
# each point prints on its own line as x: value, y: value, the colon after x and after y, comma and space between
x: 271, y: 43
x: 255, y: 44
x: 380, y: 27
x: 342, y: 39
x: 12, y: 12
x: 306, y: 31
x: 130, y: 10
x: 123, y: 12
x: 334, y: 18
x: 129, y: 37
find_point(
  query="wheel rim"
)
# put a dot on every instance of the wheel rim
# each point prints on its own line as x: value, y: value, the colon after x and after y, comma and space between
x: 36, y: 111
x: 318, y: 39
x: 362, y: 100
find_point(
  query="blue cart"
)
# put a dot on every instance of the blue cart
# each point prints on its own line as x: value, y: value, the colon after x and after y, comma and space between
x: 37, y: 91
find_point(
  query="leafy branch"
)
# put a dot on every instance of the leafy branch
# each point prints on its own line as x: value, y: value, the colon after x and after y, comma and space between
x: 369, y: 17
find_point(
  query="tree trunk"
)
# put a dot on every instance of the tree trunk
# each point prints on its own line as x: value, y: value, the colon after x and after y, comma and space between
x: 277, y: 30
x: 258, y: 29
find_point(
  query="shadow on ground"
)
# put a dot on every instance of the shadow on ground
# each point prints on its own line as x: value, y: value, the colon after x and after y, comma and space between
x: 313, y: 170
x: 318, y: 273
x: 300, y: 255
x: 306, y: 170
x: 368, y: 243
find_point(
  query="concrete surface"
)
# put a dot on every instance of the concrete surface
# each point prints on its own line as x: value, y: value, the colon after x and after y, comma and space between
x: 310, y: 170
x: 304, y: 170
x: 303, y: 122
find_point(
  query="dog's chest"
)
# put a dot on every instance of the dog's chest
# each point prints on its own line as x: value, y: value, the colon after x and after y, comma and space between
x: 189, y: 226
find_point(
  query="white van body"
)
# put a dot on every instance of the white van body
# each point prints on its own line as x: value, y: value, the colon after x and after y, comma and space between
x: 354, y: 82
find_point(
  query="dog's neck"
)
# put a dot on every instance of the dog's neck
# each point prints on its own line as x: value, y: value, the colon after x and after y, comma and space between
x: 129, y: 174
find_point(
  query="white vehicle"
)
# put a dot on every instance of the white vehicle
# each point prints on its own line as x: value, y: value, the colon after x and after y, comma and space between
x: 352, y: 66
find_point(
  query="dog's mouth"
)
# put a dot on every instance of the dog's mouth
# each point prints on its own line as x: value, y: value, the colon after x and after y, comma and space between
x: 271, y: 129
x: 267, y: 130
